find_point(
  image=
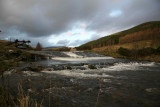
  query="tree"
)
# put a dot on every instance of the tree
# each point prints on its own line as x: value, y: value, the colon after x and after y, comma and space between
x: 39, y: 47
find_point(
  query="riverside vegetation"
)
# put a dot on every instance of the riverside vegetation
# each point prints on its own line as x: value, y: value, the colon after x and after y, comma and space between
x: 10, y: 58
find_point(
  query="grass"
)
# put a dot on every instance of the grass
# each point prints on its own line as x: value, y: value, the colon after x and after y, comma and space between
x: 134, y: 45
x: 21, y: 100
x: 58, y: 49
x: 154, y: 58
x: 112, y: 50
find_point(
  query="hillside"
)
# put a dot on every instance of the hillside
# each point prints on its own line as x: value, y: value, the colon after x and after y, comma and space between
x: 146, y: 31
x: 141, y: 42
x: 52, y: 47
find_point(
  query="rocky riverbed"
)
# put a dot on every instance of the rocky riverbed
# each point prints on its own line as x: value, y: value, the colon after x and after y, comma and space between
x: 87, y: 80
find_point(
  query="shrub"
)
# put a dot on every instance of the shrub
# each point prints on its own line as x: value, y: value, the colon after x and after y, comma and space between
x: 124, y: 52
x: 146, y: 51
x: 158, y: 50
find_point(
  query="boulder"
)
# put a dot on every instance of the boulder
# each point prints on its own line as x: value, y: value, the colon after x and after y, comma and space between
x: 92, y: 67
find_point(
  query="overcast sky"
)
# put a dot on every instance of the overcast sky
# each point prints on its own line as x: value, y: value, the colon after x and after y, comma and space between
x: 72, y: 22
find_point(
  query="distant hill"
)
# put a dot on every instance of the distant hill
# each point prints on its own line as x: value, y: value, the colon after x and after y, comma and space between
x: 52, y: 47
x: 142, y: 32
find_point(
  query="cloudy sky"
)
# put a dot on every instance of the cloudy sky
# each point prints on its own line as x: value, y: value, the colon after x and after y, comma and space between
x: 72, y: 22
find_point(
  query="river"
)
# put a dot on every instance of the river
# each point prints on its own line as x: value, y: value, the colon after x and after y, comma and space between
x: 114, y: 83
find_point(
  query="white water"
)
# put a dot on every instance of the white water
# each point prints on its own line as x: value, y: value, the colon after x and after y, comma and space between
x: 97, y: 73
x: 132, y: 66
x: 73, y: 55
x: 31, y: 73
x: 80, y: 59
x: 78, y: 73
x: 100, y: 73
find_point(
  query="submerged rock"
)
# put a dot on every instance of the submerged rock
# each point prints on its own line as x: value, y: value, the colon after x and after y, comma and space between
x: 92, y: 67
x: 69, y: 67
x: 89, y: 90
x: 35, y: 68
x: 80, y: 68
x: 60, y: 67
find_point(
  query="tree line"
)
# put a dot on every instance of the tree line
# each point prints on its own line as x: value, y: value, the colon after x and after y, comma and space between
x: 149, y: 34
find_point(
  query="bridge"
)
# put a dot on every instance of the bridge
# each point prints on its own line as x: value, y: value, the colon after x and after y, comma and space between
x: 40, y: 54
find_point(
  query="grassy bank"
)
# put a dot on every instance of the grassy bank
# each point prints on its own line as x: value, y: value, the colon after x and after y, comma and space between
x: 152, y: 57
x: 142, y: 50
x: 146, y: 53
x: 10, y: 56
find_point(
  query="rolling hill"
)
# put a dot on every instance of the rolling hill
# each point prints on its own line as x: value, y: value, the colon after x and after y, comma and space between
x: 141, y: 42
x: 142, y: 32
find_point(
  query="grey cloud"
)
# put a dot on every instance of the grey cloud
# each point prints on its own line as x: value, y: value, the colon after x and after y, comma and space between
x: 80, y: 42
x: 42, y: 18
x: 63, y: 42
x: 45, y: 17
x: 94, y: 37
x: 134, y: 12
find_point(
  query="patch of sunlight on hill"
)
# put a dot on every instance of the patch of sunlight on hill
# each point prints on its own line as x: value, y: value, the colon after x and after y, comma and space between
x: 134, y: 45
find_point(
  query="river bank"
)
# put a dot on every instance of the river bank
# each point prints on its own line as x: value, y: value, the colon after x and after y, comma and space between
x: 114, y: 53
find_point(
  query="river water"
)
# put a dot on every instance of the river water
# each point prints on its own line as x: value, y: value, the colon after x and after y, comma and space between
x: 115, y: 82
